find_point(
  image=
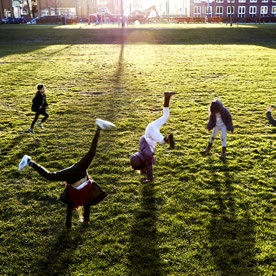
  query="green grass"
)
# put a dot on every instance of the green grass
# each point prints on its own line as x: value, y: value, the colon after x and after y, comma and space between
x: 200, y: 216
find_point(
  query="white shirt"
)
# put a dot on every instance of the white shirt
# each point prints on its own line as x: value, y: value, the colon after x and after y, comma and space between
x: 219, y: 121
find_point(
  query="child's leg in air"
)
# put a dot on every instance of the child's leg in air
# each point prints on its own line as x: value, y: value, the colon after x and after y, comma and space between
x: 153, y: 129
x: 73, y: 173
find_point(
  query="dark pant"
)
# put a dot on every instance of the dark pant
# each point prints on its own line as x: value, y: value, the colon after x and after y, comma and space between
x: 69, y: 214
x: 74, y: 173
x: 41, y: 112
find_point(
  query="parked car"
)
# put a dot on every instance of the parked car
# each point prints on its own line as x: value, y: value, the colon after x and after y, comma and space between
x: 4, y: 20
x: 32, y: 21
x: 13, y: 20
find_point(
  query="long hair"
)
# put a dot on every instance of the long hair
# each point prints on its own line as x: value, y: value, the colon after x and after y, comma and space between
x: 79, y: 211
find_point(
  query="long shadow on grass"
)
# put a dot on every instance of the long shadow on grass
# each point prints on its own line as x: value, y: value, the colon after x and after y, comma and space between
x: 56, y: 255
x: 32, y: 38
x: 143, y: 252
x: 59, y: 255
x: 231, y: 229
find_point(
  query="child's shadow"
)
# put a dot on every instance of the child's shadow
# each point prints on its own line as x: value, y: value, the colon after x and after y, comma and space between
x: 60, y: 254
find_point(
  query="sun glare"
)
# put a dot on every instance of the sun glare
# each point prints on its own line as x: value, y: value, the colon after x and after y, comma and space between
x: 162, y: 6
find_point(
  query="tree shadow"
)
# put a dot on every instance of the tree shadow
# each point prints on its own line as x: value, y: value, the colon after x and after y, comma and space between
x: 143, y: 253
x: 231, y: 228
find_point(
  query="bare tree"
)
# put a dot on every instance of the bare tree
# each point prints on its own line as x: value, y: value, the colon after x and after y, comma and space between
x: 1, y: 9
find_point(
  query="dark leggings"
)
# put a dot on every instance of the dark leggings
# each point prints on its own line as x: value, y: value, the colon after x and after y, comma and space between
x: 75, y: 172
x: 44, y: 113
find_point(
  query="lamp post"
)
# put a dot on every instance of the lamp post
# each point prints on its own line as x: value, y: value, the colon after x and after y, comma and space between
x: 231, y: 13
x: 122, y: 12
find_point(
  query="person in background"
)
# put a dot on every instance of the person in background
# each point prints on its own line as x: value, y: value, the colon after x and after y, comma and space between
x: 269, y: 117
x: 39, y: 106
x: 144, y: 158
x: 220, y: 120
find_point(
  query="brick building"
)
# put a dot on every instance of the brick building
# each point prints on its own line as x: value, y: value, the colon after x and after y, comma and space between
x: 237, y: 9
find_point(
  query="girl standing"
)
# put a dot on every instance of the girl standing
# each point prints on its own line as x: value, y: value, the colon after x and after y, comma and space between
x: 220, y: 120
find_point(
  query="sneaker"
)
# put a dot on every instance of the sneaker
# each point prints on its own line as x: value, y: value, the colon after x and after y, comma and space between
x: 31, y: 130
x: 102, y: 124
x: 24, y: 162
x: 146, y: 180
x: 171, y: 141
x: 40, y: 125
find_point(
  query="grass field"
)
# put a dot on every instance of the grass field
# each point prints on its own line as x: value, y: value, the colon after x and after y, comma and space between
x: 200, y: 216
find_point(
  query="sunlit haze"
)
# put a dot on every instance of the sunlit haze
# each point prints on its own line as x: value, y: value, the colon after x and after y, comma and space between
x: 162, y: 6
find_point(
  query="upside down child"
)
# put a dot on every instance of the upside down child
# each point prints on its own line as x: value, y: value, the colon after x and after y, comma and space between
x: 81, y: 189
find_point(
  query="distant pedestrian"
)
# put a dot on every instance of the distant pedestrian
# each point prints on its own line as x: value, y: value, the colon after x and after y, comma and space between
x: 144, y: 158
x: 271, y: 120
x: 220, y: 120
x: 39, y: 106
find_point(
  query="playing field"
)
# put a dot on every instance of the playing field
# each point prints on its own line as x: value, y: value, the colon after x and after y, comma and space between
x: 200, y: 216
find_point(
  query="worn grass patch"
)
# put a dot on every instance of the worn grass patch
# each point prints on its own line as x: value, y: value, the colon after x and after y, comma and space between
x: 200, y: 216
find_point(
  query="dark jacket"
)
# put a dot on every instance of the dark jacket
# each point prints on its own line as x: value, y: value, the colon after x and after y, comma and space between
x: 225, y: 116
x: 39, y: 102
x: 270, y: 118
x: 143, y: 159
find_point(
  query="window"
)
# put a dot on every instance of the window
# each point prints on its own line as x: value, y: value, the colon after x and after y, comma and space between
x: 252, y: 10
x: 273, y: 10
x: 263, y: 1
x: 219, y: 10
x: 230, y: 10
x: 242, y: 1
x: 241, y: 11
x: 264, y: 10
x: 197, y: 11
x: 230, y: 1
x: 197, y: 1
x: 208, y: 11
x: 253, y: 1
x: 219, y: 1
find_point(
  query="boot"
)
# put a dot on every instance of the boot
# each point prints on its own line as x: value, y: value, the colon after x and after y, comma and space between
x: 223, y: 153
x: 207, y: 150
x: 167, y: 97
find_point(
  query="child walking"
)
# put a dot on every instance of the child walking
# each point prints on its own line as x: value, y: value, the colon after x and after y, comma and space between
x: 81, y: 189
x: 39, y: 106
x: 220, y: 120
x: 144, y: 158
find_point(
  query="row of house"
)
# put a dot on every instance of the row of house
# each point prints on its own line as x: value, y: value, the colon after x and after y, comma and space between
x: 165, y: 8
x: 234, y: 8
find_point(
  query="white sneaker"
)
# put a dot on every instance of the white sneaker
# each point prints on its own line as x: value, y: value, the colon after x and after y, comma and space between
x: 24, y: 162
x: 104, y: 124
